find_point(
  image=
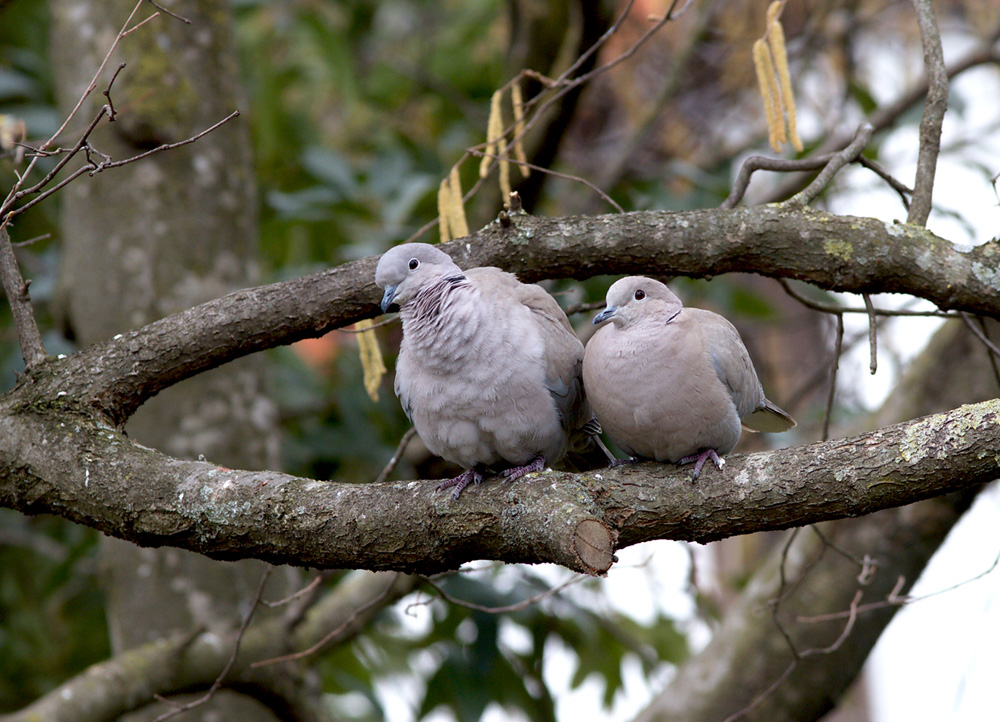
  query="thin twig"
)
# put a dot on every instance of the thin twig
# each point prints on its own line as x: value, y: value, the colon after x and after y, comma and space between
x: 835, y: 309
x: 165, y: 146
x: 967, y: 317
x: 895, y: 600
x: 171, y: 13
x: 397, y: 455
x: 762, y: 162
x: 934, y: 110
x: 849, y: 154
x: 763, y: 696
x: 556, y: 174
x: 355, y: 613
x: 384, y: 322
x: 872, y: 333
x: 295, y: 595
x: 902, y: 189
x: 180, y: 708
x: 838, y: 347
x: 517, y: 607
x: 31, y: 241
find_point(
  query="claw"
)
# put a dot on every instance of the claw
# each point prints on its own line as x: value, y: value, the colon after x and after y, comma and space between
x: 469, y: 476
x: 701, y: 457
x: 516, y: 472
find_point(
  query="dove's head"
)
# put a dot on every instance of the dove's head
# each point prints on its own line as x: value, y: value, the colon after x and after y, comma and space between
x: 635, y: 297
x: 403, y: 270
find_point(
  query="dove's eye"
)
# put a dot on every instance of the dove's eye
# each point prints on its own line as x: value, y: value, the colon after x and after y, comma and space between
x: 413, y: 264
x: 639, y: 294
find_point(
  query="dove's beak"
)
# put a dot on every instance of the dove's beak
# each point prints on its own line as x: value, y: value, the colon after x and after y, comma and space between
x: 604, y: 315
x: 388, y: 298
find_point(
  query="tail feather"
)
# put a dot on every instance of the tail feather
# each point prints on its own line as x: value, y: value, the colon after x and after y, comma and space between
x: 769, y: 418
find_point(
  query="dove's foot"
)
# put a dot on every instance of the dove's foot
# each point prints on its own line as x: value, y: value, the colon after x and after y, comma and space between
x: 469, y: 476
x: 516, y: 472
x: 700, y: 459
x: 622, y: 462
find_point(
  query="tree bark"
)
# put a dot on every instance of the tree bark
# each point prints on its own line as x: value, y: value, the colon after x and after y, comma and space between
x: 153, y: 239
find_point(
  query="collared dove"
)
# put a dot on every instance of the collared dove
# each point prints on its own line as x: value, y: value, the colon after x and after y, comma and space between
x: 489, y: 368
x: 672, y: 383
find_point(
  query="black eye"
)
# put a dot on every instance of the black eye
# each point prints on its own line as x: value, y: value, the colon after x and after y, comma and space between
x: 639, y: 294
x: 413, y: 264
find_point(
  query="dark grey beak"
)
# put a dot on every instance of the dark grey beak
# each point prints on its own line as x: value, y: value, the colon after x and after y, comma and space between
x: 388, y: 297
x: 605, y: 314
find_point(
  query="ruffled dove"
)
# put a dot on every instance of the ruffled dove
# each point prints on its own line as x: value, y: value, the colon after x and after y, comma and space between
x: 672, y: 383
x: 489, y: 368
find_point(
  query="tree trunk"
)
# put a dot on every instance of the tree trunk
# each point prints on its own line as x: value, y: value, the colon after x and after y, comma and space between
x: 153, y: 238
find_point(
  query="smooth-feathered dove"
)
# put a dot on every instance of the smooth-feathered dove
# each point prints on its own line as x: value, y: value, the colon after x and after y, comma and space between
x: 489, y: 369
x: 672, y: 383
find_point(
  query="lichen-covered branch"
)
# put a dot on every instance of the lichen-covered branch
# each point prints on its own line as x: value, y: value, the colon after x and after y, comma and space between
x: 56, y: 462
x: 840, y: 253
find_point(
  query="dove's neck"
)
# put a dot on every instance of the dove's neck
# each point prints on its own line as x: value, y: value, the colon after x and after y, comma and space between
x: 442, y: 320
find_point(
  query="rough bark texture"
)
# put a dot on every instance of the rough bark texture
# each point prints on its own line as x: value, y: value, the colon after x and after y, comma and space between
x: 86, y: 471
x: 152, y: 239
x: 840, y: 253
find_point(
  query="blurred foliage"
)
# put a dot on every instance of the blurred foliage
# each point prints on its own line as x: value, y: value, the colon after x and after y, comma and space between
x: 52, y: 621
x: 357, y: 110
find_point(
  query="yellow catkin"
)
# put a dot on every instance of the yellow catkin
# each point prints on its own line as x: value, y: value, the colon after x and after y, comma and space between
x: 768, y: 90
x: 444, y: 196
x: 517, y: 101
x: 371, y: 357
x: 774, y: 11
x: 494, y: 129
x: 456, y: 207
x: 504, y: 171
x: 776, y: 39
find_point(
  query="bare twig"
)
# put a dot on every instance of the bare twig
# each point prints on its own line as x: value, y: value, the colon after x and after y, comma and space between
x: 333, y: 634
x: 763, y: 162
x: 872, y: 333
x: 893, y: 599
x: 763, y: 696
x: 165, y: 146
x: 171, y: 13
x: 993, y: 348
x: 397, y: 455
x: 902, y: 189
x: 556, y: 174
x: 523, y: 604
x: 934, y: 110
x: 181, y: 708
x: 849, y: 154
x: 833, y: 376
x: 835, y: 309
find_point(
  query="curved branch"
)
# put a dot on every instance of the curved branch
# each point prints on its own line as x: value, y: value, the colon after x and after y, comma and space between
x: 84, y: 470
x: 840, y: 253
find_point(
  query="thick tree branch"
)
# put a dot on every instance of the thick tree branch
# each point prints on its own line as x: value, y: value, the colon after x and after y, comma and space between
x: 54, y: 462
x: 840, y: 253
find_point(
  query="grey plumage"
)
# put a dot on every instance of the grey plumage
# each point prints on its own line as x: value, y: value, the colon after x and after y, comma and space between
x: 672, y: 383
x: 489, y: 368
